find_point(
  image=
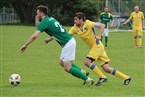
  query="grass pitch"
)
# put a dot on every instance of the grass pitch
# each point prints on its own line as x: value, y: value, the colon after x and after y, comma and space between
x: 43, y: 77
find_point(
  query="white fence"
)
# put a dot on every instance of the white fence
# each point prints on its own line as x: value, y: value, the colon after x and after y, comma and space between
x: 8, y: 15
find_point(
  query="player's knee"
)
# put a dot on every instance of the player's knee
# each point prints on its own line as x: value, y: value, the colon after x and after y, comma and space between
x: 135, y: 37
x: 67, y: 68
x: 87, y: 64
x: 88, y: 61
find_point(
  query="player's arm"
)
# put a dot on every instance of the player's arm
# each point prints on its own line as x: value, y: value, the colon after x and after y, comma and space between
x: 111, y: 20
x: 111, y: 23
x: 47, y: 40
x: 30, y: 40
x: 143, y: 21
x: 102, y: 27
x: 100, y: 17
x: 72, y: 31
x: 128, y: 20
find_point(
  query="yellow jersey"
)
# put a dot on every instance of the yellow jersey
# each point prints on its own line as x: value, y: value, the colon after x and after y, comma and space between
x: 86, y: 33
x: 137, y: 20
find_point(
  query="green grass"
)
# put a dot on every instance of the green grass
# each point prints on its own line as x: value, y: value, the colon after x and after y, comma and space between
x: 43, y: 77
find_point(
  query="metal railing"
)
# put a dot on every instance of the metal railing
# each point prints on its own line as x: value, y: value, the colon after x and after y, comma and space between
x: 8, y: 15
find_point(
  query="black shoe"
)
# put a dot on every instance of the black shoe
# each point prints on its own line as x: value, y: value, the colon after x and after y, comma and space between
x: 101, y: 80
x: 127, y: 81
x: 87, y: 74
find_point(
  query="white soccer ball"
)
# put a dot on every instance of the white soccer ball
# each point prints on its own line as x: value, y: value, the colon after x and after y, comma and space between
x: 15, y: 79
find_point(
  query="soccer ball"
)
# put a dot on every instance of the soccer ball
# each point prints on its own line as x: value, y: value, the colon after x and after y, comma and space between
x: 15, y: 79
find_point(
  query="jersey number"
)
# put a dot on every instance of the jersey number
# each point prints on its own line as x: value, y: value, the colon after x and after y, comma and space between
x: 58, y: 25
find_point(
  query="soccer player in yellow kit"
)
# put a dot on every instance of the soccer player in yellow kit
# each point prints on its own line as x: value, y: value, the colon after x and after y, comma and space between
x: 138, y: 23
x: 84, y: 28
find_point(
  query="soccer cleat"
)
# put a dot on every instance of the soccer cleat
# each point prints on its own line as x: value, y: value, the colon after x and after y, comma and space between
x: 135, y: 47
x: 89, y: 82
x: 101, y: 80
x: 87, y: 74
x: 139, y: 46
x: 127, y: 81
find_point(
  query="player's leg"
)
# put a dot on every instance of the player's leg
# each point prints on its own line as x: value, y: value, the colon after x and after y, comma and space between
x: 135, y: 42
x: 139, y: 38
x: 89, y: 63
x: 116, y: 72
x: 106, y: 37
x: 102, y: 36
x: 83, y: 71
x: 103, y: 60
x: 135, y: 38
x: 74, y: 71
x: 102, y: 78
x: 75, y: 66
x: 93, y: 55
x: 67, y: 56
x: 77, y: 73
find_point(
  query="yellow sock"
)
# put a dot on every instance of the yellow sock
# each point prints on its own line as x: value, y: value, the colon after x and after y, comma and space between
x: 97, y: 71
x: 119, y: 74
x: 139, y: 41
x: 135, y: 41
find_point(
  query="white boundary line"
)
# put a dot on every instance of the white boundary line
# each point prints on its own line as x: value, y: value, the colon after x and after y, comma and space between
x: 122, y: 30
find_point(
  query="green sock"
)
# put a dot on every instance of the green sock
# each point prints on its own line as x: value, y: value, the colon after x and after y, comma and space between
x: 77, y: 73
x: 106, y: 40
x: 75, y: 66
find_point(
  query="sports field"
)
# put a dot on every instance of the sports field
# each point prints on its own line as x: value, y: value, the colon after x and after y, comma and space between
x: 42, y: 76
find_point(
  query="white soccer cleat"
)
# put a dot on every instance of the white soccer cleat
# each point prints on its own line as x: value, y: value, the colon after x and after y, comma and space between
x: 89, y: 82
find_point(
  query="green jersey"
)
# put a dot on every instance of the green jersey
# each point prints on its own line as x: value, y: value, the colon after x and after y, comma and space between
x: 52, y: 27
x: 105, y: 18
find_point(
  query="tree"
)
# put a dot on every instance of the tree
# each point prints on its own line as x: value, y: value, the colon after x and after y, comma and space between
x: 63, y: 10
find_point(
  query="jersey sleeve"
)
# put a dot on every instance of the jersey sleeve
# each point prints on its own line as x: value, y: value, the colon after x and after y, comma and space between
x: 100, y: 16
x: 72, y: 31
x: 131, y: 16
x: 142, y: 15
x: 111, y: 17
x: 41, y: 27
x: 91, y: 23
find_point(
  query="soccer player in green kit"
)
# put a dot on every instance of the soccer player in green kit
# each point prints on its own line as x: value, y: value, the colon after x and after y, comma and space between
x: 106, y: 18
x: 52, y: 27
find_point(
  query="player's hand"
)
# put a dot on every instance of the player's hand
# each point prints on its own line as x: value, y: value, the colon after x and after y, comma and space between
x: 47, y: 40
x: 23, y: 48
x: 111, y: 25
x: 122, y: 24
x: 98, y: 38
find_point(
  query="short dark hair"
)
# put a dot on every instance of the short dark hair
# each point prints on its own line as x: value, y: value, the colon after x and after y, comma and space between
x: 43, y: 9
x: 80, y: 15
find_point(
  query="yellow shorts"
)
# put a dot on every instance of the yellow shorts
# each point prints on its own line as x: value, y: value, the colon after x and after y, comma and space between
x: 137, y: 33
x: 98, y: 53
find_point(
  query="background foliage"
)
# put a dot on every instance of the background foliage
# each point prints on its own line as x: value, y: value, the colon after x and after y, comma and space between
x: 63, y: 10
